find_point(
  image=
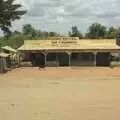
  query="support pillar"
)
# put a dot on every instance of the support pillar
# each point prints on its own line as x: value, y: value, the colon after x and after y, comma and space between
x: 95, y: 53
x: 57, y: 60
x: 70, y: 59
x: 18, y: 59
x: 45, y: 59
x: 69, y: 53
x: 110, y: 58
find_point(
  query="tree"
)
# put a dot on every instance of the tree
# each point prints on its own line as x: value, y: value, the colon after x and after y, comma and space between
x: 16, y: 33
x: 28, y: 30
x: 45, y: 34
x: 118, y: 31
x: 75, y: 32
x: 118, y: 35
x: 13, y: 40
x: 53, y: 34
x: 112, y: 32
x: 8, y: 13
x: 96, y: 31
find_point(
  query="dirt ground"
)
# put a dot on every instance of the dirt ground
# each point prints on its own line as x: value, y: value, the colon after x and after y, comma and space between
x: 84, y: 93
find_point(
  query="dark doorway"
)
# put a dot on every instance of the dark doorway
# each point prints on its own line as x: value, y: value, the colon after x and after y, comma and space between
x: 27, y: 56
x: 51, y: 60
x: 82, y: 59
x: 63, y: 59
x: 103, y: 59
x: 38, y: 59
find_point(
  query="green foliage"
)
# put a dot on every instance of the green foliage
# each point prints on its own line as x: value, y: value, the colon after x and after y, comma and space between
x: 28, y: 30
x: 8, y: 13
x: 118, y: 33
x: 75, y: 32
x: 96, y: 31
x: 14, y: 41
x: 111, y: 33
x: 32, y: 33
x: 52, y: 34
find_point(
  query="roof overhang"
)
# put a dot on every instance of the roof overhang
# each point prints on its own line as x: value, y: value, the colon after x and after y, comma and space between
x: 8, y: 48
x: 4, y: 55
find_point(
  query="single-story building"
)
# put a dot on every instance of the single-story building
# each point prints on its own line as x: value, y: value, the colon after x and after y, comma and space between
x: 69, y: 51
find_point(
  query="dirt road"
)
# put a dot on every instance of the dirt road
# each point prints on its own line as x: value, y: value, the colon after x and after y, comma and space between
x: 60, y: 94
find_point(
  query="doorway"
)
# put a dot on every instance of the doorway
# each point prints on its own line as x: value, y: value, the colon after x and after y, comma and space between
x: 103, y: 59
x: 38, y: 59
x: 63, y: 59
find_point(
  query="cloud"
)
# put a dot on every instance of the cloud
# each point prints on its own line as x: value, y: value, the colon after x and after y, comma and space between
x: 36, y: 11
x: 60, y: 15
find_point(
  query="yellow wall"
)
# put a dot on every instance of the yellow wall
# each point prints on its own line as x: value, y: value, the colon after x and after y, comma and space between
x: 67, y: 43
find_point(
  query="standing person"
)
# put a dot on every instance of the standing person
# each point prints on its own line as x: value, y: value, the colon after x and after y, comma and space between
x: 41, y: 61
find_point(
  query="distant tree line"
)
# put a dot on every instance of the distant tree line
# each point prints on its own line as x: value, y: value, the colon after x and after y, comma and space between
x: 96, y: 31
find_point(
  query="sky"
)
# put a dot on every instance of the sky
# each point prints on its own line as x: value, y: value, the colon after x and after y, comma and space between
x: 60, y: 15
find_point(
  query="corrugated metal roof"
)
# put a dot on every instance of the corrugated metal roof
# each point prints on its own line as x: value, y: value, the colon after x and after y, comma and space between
x: 9, y: 49
x: 4, y: 55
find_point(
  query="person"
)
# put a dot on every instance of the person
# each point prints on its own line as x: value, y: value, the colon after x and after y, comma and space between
x: 42, y: 66
x: 41, y: 61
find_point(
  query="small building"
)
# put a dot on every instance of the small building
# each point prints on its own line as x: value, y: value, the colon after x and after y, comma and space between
x: 69, y: 51
x: 3, y: 62
x: 12, y: 59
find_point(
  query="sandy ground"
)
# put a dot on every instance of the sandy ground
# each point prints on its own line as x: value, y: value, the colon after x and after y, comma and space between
x: 60, y: 94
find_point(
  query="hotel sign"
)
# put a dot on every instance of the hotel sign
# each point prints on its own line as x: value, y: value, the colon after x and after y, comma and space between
x: 51, y: 43
x: 64, y: 43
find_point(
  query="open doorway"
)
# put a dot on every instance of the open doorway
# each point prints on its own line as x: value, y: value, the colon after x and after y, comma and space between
x: 51, y: 60
x: 82, y: 59
x: 63, y: 59
x: 103, y: 59
x: 38, y: 59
